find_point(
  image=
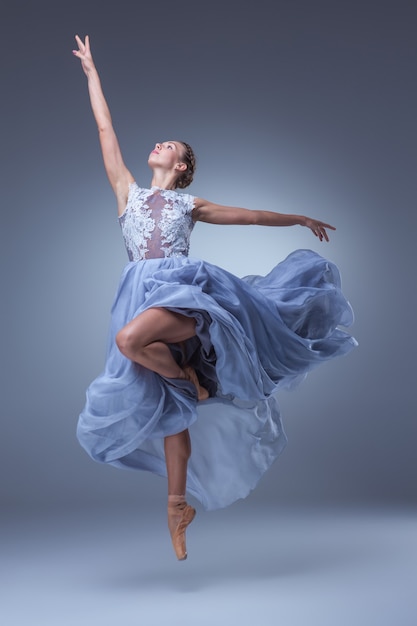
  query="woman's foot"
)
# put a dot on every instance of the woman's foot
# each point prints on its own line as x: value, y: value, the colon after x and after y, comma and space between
x: 180, y: 515
x: 202, y: 393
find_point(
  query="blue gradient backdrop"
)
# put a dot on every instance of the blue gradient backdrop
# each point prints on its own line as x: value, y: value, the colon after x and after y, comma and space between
x: 301, y: 107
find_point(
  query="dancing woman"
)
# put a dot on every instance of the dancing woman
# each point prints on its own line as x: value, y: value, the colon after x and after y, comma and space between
x: 194, y: 352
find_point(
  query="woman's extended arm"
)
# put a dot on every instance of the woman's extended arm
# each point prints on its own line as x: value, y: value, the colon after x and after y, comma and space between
x: 117, y: 172
x: 211, y: 213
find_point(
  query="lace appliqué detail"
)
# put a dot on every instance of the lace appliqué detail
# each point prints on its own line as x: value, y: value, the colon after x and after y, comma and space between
x: 138, y: 225
x: 156, y: 223
x: 175, y: 236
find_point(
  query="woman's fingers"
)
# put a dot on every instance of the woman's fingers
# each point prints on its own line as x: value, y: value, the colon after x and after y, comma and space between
x: 319, y: 229
x: 83, y: 46
x: 79, y: 43
x: 83, y: 53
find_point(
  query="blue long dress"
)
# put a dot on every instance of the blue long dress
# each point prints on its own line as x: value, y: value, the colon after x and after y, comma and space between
x: 255, y: 336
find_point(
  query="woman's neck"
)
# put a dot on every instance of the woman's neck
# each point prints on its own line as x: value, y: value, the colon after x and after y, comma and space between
x: 164, y: 181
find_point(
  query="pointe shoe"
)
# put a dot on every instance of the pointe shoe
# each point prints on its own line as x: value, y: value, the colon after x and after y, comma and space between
x: 202, y: 393
x: 178, y: 520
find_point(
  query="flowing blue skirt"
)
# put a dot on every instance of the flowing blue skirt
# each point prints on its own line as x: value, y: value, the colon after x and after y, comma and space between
x: 255, y: 336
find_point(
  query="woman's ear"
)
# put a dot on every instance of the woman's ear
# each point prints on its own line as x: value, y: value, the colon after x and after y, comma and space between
x: 181, y: 167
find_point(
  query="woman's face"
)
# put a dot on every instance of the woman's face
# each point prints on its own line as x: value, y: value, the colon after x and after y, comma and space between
x: 166, y: 155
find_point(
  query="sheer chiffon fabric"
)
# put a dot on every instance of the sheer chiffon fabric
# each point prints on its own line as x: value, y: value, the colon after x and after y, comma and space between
x: 255, y: 336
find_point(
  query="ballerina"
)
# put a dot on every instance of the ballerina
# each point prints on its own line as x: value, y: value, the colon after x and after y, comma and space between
x: 194, y: 348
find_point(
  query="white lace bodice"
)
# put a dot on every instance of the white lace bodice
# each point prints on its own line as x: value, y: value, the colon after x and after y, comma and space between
x: 156, y: 223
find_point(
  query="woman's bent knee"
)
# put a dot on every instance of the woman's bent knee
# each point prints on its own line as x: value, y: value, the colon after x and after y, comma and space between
x: 121, y: 340
x: 127, y: 342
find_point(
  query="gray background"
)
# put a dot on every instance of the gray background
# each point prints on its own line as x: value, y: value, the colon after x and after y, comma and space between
x: 295, y: 106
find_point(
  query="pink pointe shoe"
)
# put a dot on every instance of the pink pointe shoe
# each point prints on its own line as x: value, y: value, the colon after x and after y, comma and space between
x: 180, y: 515
x: 202, y: 393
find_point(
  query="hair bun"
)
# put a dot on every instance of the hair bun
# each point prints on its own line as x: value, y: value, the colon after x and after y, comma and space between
x: 185, y: 179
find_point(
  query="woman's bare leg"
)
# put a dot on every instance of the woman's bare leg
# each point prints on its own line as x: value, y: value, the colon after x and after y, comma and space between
x: 144, y: 340
x: 177, y: 452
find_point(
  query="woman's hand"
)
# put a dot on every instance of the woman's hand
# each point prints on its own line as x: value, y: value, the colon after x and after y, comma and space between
x: 84, y: 54
x: 318, y: 228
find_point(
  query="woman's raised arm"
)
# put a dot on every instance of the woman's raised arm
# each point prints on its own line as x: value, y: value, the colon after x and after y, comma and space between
x: 117, y: 172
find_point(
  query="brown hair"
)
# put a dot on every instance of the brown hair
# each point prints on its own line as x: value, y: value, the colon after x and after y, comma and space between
x: 188, y: 157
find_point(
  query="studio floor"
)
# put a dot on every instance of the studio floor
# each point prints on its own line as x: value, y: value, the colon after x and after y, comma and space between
x: 247, y: 565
